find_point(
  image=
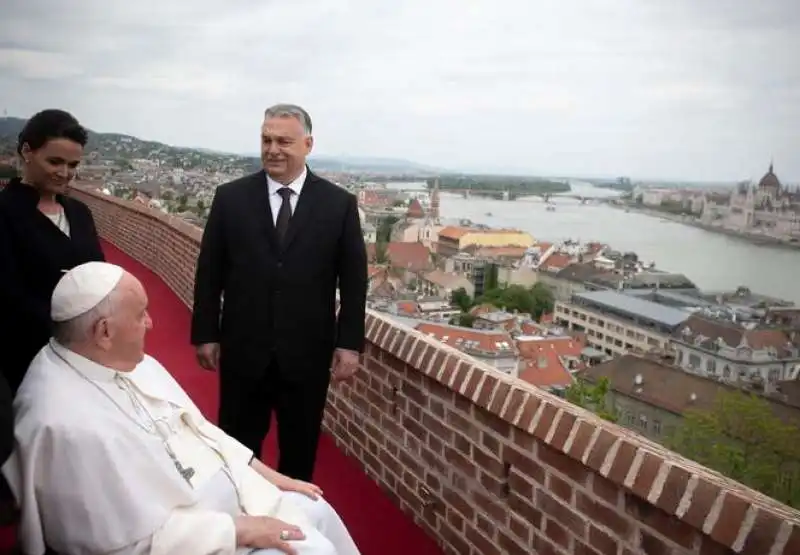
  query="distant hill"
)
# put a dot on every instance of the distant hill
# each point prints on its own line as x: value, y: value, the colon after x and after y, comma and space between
x: 116, y: 146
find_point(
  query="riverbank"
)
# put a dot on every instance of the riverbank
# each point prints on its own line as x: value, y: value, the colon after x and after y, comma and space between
x: 758, y: 239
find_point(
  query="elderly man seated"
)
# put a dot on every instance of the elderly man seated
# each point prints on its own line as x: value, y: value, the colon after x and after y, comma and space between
x: 112, y: 456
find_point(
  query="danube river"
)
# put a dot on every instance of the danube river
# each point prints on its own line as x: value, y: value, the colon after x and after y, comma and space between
x: 712, y: 261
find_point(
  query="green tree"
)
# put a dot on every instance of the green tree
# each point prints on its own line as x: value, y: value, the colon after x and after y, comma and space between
x: 464, y: 320
x: 535, y: 300
x: 183, y: 203
x: 460, y: 299
x: 381, y: 252
x: 490, y: 280
x: 742, y: 438
x: 593, y: 397
x: 384, y: 230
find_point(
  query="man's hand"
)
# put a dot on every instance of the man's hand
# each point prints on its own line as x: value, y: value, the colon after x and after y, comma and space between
x: 208, y: 355
x: 262, y: 532
x: 344, y: 364
x: 308, y: 489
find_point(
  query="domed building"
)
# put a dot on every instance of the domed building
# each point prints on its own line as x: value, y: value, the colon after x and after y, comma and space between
x: 768, y: 208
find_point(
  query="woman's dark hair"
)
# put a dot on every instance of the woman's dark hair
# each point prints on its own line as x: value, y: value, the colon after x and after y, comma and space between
x: 48, y: 125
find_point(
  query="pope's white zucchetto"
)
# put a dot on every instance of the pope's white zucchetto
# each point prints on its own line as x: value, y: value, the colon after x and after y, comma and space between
x: 83, y: 288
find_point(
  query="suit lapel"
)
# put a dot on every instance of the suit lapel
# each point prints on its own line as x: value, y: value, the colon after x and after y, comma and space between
x: 306, y: 204
x: 262, y: 211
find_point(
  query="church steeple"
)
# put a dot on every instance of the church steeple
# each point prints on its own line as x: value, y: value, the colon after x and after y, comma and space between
x: 433, y: 210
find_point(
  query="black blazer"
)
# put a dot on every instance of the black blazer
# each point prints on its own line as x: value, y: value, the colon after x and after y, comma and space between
x: 34, y: 254
x: 280, y: 302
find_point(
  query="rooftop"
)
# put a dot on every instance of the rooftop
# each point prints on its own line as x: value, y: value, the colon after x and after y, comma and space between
x: 635, y: 307
x: 429, y: 447
x: 669, y: 388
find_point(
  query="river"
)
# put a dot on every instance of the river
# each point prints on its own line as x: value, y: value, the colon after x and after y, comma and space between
x: 712, y: 261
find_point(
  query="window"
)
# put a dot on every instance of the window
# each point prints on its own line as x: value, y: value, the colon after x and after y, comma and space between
x: 629, y: 418
x: 643, y: 421
x: 657, y: 427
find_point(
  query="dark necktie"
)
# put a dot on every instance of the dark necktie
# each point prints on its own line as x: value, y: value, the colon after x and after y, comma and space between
x: 285, y: 212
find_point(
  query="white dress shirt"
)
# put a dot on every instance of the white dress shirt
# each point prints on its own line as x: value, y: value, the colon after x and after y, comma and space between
x: 275, y: 200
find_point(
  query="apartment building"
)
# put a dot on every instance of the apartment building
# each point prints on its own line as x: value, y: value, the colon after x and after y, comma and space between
x: 616, y: 323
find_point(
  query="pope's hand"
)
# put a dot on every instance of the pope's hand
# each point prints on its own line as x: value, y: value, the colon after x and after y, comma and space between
x: 262, y: 532
x: 208, y: 355
x: 308, y: 489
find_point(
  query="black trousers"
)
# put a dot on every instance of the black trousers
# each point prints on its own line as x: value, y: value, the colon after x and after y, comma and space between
x: 247, y: 404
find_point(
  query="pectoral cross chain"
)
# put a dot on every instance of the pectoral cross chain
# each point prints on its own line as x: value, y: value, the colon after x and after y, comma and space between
x: 187, y: 473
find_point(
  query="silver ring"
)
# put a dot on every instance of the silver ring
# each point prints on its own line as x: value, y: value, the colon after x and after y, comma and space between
x: 285, y: 535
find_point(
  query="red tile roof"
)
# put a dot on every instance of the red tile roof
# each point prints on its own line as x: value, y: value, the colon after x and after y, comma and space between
x: 415, y: 210
x: 490, y: 342
x: 556, y: 261
x: 453, y: 232
x: 414, y: 257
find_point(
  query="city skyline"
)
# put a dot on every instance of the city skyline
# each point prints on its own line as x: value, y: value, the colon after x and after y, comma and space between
x: 677, y: 91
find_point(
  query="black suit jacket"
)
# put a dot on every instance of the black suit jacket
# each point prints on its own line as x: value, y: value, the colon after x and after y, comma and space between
x: 34, y: 254
x: 280, y: 301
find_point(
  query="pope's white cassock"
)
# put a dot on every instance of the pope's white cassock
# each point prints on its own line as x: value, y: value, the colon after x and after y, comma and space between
x: 124, y: 463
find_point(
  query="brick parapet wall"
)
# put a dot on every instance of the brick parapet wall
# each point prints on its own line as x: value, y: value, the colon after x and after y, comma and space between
x: 489, y: 465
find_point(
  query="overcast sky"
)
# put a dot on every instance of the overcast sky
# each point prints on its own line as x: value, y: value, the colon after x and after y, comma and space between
x: 694, y: 89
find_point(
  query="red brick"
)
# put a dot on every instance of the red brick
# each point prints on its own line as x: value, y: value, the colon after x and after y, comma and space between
x: 556, y: 533
x: 604, y: 515
x: 545, y: 421
x: 561, y: 513
x: 667, y: 525
x: 562, y: 431
x: 602, y: 542
x: 648, y: 471
x: 731, y: 517
x: 793, y: 545
x: 674, y: 488
x: 762, y: 535
x: 653, y: 545
x: 563, y: 463
x: 703, y: 498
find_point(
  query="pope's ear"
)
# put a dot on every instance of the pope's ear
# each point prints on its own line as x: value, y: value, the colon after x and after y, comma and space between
x: 101, y: 330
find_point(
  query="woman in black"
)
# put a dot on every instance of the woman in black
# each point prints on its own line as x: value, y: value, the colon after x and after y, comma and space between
x: 43, y: 233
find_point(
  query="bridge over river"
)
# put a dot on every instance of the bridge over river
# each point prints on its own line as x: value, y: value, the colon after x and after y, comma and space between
x: 502, y: 195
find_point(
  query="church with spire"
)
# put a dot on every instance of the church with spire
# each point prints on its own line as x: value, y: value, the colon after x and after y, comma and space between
x: 768, y: 207
x: 420, y: 225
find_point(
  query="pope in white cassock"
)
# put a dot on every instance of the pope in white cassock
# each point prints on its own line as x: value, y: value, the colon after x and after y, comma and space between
x: 112, y: 457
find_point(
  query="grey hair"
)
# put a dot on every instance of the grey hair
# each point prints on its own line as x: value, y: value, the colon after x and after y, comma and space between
x: 79, y: 329
x: 290, y: 111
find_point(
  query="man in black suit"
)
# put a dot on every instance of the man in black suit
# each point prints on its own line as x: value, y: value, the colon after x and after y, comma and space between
x: 276, y: 245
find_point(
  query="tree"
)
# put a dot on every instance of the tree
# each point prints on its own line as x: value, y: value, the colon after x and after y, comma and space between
x: 183, y: 203
x: 490, y: 280
x: 381, y: 252
x: 460, y: 299
x: 384, y: 230
x: 464, y: 320
x: 536, y: 300
x: 593, y: 397
x: 742, y: 438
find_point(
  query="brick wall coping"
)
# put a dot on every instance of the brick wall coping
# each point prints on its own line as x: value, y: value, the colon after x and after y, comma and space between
x: 733, y: 515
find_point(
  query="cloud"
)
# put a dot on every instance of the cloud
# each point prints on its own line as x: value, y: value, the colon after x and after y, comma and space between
x: 614, y: 87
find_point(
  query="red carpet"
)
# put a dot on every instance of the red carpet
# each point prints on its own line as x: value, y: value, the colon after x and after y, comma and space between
x: 377, y: 525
